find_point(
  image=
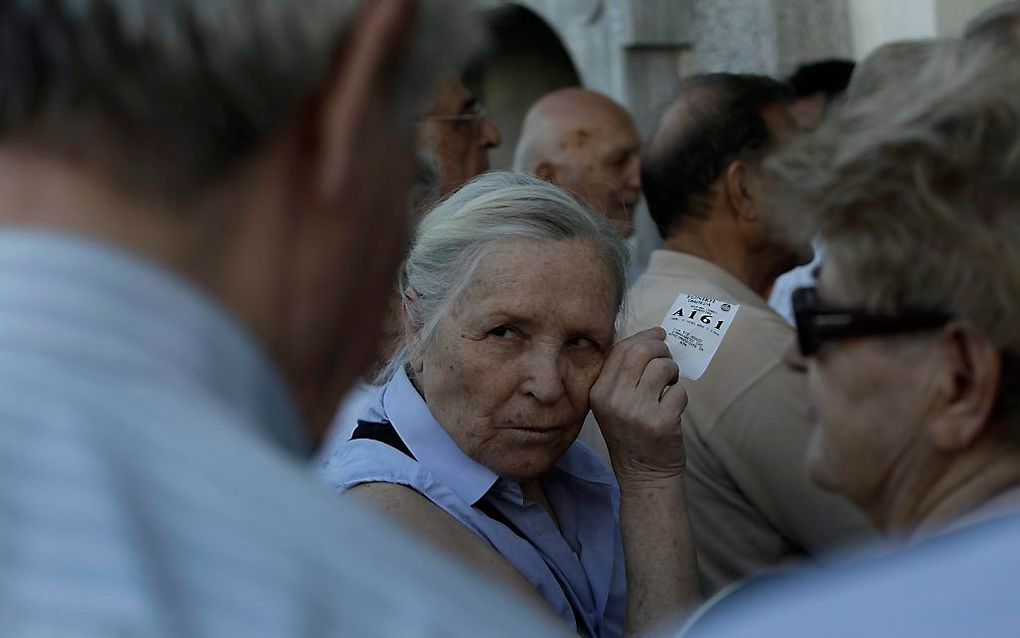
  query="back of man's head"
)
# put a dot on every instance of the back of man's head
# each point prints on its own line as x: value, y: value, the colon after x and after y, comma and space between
x: 717, y: 119
x: 172, y: 95
x: 829, y: 77
x: 817, y: 85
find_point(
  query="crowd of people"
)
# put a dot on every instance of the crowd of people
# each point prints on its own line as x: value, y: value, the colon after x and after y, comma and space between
x: 280, y: 355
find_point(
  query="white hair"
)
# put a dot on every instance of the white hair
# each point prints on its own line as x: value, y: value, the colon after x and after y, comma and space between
x: 185, y: 90
x: 995, y: 23
x: 455, y: 237
x: 916, y: 192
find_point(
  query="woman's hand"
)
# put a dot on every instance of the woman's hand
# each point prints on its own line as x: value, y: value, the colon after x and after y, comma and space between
x: 638, y: 405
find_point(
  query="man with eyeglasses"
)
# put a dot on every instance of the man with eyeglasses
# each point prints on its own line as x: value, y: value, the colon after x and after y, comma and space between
x: 752, y: 505
x: 909, y: 349
x: 458, y: 134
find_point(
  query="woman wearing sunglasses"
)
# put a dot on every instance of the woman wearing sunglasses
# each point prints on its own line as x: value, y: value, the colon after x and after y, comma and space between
x: 908, y: 341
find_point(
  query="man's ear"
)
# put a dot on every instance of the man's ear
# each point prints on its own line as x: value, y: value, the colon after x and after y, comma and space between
x: 737, y: 190
x: 968, y: 386
x: 545, y: 170
x: 355, y: 91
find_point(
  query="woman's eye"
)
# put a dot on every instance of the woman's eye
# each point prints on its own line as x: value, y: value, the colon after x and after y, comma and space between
x: 501, y: 331
x: 581, y: 342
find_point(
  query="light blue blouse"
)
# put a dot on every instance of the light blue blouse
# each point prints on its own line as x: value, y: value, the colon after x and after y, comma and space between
x: 578, y: 569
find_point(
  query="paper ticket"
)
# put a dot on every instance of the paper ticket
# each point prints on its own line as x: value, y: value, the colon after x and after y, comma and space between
x: 695, y: 326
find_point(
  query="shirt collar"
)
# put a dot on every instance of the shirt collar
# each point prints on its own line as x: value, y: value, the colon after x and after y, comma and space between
x: 403, y: 407
x: 676, y: 264
x: 584, y: 465
x: 130, y: 315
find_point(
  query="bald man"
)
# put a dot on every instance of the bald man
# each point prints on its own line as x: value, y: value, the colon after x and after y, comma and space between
x: 588, y: 144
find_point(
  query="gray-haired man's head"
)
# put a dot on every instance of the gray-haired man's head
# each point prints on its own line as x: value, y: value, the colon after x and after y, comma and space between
x: 261, y: 148
x: 180, y: 92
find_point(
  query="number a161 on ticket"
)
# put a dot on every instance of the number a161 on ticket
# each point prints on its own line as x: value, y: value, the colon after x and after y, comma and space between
x: 695, y: 326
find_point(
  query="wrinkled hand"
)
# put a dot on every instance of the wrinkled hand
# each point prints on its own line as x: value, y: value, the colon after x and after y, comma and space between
x: 638, y: 404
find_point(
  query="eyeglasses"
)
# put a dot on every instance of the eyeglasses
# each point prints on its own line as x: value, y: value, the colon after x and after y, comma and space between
x: 817, y: 323
x: 475, y: 114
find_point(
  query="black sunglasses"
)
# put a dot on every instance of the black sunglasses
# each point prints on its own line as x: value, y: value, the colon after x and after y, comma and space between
x: 817, y: 322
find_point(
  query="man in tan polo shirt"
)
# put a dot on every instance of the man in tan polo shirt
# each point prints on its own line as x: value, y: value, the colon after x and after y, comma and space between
x: 747, y: 424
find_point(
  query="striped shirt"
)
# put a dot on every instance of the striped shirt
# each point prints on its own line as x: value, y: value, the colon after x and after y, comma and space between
x: 153, y: 479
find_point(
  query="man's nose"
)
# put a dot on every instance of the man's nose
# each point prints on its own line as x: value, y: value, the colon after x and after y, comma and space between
x: 792, y: 356
x: 544, y: 378
x: 491, y: 137
x: 634, y: 174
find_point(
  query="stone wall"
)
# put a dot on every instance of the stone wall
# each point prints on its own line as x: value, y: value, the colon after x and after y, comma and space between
x: 769, y: 36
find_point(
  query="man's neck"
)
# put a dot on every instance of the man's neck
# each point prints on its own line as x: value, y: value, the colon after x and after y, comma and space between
x: 39, y: 190
x: 932, y: 500
x: 715, y: 245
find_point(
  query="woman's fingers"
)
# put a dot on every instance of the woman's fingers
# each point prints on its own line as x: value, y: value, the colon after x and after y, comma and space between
x: 658, y: 374
x: 638, y: 403
x: 628, y: 358
x: 674, y: 400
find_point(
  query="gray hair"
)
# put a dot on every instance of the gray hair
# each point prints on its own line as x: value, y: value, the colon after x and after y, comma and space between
x: 891, y: 64
x: 186, y: 90
x: 916, y: 192
x: 999, y: 24
x: 455, y: 237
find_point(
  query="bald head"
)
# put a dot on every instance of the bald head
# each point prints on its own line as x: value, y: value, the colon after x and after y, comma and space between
x: 588, y: 144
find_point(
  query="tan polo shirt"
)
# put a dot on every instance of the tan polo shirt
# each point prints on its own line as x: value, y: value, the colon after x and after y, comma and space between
x: 752, y: 504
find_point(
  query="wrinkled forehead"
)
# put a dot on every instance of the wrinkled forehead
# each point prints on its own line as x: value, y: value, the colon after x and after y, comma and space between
x: 451, y: 96
x: 540, y: 276
x: 597, y: 138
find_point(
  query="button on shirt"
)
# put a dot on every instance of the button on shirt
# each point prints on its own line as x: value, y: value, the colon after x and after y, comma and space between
x: 152, y: 479
x: 577, y: 568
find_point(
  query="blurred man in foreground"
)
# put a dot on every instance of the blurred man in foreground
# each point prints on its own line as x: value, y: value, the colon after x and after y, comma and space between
x: 909, y: 344
x: 186, y: 289
x: 587, y: 144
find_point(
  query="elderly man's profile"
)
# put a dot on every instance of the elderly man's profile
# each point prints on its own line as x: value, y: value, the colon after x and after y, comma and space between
x: 184, y: 191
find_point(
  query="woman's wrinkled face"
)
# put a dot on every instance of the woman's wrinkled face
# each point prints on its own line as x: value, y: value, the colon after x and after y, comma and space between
x: 870, y: 399
x: 508, y: 371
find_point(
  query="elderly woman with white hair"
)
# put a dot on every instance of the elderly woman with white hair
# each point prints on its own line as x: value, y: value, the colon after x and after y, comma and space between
x: 510, y: 293
x: 910, y: 341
